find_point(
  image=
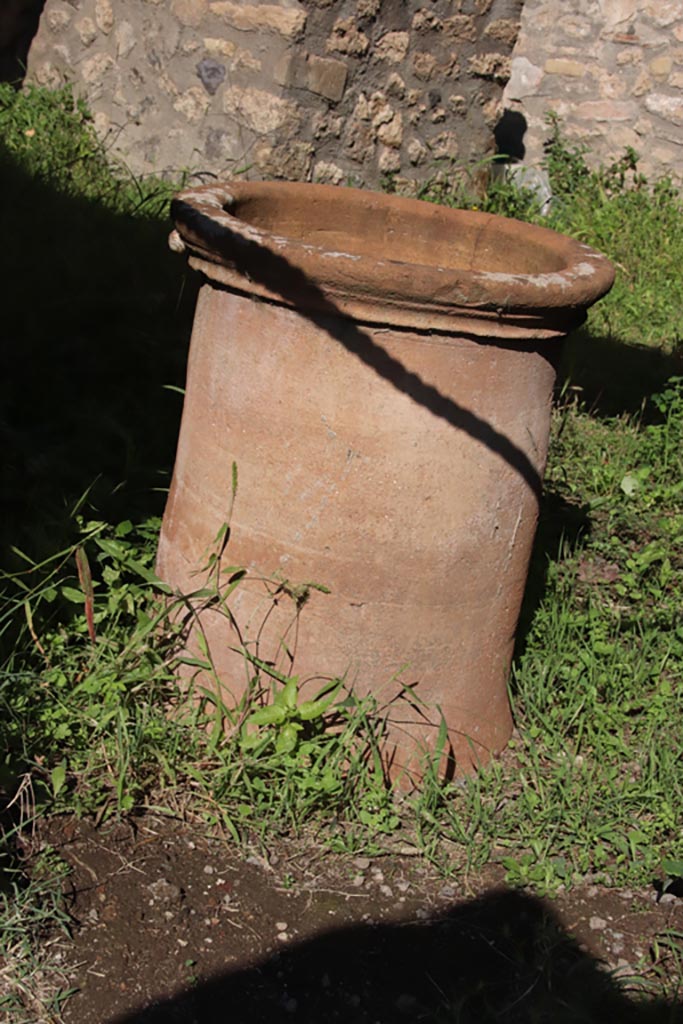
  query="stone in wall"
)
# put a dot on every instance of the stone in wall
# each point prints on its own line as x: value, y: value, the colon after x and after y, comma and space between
x: 347, y: 90
x: 608, y: 68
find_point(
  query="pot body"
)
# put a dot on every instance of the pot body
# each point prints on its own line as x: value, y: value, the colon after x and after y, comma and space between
x: 391, y: 454
x: 401, y: 503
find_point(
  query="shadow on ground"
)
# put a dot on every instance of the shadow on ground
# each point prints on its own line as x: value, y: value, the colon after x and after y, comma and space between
x: 504, y: 957
x: 95, y: 323
x: 612, y: 377
x: 561, y: 527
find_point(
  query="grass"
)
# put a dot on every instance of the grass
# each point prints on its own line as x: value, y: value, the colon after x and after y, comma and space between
x: 593, y: 783
x: 33, y: 944
x: 97, y: 321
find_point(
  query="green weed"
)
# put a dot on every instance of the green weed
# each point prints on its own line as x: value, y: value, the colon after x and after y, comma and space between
x: 50, y: 136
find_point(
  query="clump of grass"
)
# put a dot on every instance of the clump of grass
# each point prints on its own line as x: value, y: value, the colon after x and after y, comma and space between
x: 90, y: 292
x: 636, y: 222
x: 33, y: 930
x: 91, y: 701
x: 50, y: 136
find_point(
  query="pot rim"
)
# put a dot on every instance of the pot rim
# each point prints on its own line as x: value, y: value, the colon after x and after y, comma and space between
x: 365, y: 286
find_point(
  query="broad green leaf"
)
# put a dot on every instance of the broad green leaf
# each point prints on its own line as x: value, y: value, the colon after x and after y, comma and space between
x: 290, y: 693
x: 286, y: 739
x: 274, y: 714
x: 630, y: 484
x: 311, y: 709
x: 58, y: 778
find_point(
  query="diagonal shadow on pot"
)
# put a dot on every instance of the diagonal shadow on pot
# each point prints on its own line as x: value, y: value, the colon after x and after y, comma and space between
x: 503, y: 957
x: 279, y: 276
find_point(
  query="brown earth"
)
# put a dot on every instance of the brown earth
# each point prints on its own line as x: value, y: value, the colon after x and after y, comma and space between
x: 170, y: 925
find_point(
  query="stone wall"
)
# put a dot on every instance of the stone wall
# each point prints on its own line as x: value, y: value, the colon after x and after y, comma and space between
x: 351, y: 90
x: 326, y: 90
x: 612, y: 70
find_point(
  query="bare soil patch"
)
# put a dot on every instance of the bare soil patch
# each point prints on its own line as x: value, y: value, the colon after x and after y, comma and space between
x: 172, y: 925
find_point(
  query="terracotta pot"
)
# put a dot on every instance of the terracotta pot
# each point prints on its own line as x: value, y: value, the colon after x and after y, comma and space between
x: 381, y: 371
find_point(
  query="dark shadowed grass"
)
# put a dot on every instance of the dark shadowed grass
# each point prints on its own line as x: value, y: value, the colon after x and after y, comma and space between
x: 95, y: 325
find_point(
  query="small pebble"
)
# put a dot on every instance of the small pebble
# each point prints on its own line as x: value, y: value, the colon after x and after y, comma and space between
x: 597, y: 924
x: 403, y: 886
x: 358, y: 881
x: 667, y: 897
x: 385, y: 890
x: 362, y: 863
x: 281, y: 926
x: 208, y: 870
x: 282, y: 937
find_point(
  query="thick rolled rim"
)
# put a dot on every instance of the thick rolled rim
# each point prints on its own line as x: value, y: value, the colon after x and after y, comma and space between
x: 233, y: 251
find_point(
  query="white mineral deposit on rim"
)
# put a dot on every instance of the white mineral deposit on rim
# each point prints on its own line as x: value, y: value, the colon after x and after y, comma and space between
x: 557, y: 279
x: 288, y: 243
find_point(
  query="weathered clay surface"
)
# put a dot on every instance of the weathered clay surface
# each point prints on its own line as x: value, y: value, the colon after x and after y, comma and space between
x: 381, y: 372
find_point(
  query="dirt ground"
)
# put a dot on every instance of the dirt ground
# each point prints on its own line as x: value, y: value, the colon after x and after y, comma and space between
x: 170, y: 925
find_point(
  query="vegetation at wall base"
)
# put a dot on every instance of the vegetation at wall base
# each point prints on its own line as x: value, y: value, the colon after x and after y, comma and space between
x: 93, y: 720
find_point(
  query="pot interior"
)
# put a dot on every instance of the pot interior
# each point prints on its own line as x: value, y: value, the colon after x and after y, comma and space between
x: 407, y: 231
